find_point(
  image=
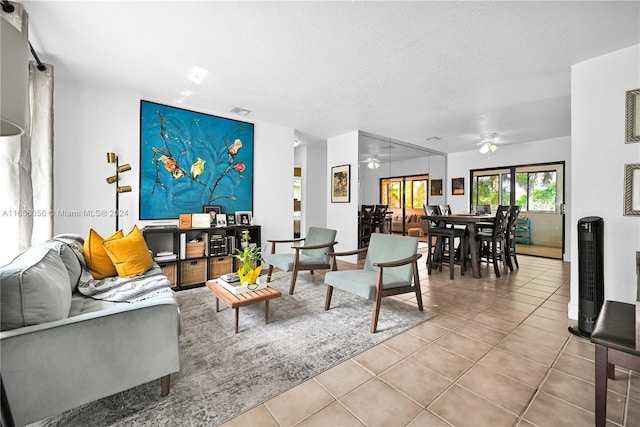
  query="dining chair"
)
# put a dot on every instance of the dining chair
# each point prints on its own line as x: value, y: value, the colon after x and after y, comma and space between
x: 616, y: 336
x: 445, y: 247
x: 390, y: 268
x: 365, y: 224
x: 514, y: 212
x: 381, y: 223
x: 492, y: 243
x: 312, y: 255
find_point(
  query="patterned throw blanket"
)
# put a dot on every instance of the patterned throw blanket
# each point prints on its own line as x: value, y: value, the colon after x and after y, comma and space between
x: 151, y: 284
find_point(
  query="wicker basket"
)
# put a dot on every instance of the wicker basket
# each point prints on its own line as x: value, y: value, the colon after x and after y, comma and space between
x: 193, y: 272
x: 195, y: 249
x: 169, y: 269
x: 220, y: 266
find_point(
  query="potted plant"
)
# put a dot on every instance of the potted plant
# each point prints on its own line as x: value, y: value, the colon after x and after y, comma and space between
x: 250, y: 255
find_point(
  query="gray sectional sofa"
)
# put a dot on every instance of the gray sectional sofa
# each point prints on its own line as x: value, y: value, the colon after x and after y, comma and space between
x: 61, y: 349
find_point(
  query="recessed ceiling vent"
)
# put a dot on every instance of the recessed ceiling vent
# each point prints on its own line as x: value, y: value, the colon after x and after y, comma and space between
x: 240, y: 111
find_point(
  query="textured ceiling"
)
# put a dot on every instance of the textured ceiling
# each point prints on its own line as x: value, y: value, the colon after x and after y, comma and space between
x: 405, y: 70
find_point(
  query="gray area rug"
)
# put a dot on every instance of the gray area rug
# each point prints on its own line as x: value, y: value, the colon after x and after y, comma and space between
x: 223, y: 374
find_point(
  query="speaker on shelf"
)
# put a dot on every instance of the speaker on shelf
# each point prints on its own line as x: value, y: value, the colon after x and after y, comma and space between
x: 590, y: 274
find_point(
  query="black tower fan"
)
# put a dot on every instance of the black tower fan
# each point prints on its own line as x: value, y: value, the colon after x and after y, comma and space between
x: 590, y: 274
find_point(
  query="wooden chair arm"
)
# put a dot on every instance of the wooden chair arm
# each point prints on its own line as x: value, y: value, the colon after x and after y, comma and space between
x: 324, y: 245
x: 399, y: 262
x: 285, y: 241
x: 354, y: 252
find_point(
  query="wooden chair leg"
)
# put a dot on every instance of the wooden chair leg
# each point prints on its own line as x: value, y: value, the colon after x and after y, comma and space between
x: 376, y: 313
x: 452, y: 254
x: 294, y: 277
x: 269, y: 272
x: 416, y: 284
x: 165, y: 385
x: 327, y: 301
x: 602, y: 368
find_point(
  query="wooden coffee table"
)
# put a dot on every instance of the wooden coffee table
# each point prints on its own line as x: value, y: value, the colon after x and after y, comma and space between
x: 247, y: 298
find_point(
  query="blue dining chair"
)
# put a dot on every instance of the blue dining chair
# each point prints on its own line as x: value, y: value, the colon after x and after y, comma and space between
x: 390, y: 268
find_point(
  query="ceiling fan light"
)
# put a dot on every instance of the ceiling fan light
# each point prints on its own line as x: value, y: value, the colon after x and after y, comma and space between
x: 493, y: 148
x: 373, y: 164
x: 484, y: 149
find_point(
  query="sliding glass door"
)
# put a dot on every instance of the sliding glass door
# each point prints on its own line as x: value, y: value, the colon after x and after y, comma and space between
x: 539, y: 190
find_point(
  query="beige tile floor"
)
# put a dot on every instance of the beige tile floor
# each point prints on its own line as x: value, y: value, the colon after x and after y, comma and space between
x: 496, y: 353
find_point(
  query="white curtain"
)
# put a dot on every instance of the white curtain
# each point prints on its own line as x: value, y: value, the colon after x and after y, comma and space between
x: 26, y: 170
x: 41, y: 150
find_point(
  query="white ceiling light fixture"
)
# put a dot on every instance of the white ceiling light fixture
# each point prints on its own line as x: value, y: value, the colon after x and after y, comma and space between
x: 487, y: 140
x: 373, y: 163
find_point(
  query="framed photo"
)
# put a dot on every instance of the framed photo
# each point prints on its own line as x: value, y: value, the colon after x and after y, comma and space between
x: 340, y: 184
x: 243, y: 218
x: 436, y: 187
x: 212, y: 211
x: 457, y: 186
x: 231, y: 219
x: 221, y: 220
x: 632, y: 189
x: 633, y: 116
x: 214, y: 208
x: 190, y: 159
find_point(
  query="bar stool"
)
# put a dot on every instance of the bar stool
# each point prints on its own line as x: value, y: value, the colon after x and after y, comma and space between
x: 445, y: 244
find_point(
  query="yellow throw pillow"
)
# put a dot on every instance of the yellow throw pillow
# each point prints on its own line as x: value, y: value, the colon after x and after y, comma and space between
x: 130, y: 254
x: 99, y: 263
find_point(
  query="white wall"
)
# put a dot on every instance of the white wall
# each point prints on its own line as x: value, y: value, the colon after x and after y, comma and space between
x: 551, y: 150
x: 313, y: 159
x: 343, y: 217
x: 599, y: 154
x: 92, y: 120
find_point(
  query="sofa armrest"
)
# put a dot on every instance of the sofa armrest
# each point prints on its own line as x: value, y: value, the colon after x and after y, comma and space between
x: 53, y: 367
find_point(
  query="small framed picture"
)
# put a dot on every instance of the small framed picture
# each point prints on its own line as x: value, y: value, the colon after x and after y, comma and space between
x: 243, y: 218
x: 436, y: 187
x: 231, y: 219
x: 632, y: 189
x: 221, y: 220
x: 457, y: 186
x: 212, y: 210
x: 340, y: 184
x: 632, y: 125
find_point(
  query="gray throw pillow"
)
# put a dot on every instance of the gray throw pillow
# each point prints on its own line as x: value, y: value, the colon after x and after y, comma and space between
x: 34, y: 289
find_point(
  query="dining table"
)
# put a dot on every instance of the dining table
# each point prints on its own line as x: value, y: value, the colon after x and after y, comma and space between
x: 470, y: 221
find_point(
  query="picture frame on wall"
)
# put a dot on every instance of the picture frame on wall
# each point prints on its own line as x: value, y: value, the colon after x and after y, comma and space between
x: 340, y: 184
x: 244, y: 218
x: 632, y: 123
x: 632, y: 189
x: 457, y: 186
x: 436, y: 187
x: 231, y: 219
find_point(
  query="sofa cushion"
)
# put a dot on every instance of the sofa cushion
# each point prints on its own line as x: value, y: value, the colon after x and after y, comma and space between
x: 70, y: 260
x: 129, y: 254
x: 34, y: 289
x: 99, y: 263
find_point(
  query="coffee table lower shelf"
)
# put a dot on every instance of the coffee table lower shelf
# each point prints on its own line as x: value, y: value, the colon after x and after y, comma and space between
x: 247, y: 298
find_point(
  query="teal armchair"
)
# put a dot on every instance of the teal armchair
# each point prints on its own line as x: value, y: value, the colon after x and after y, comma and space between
x: 390, y: 267
x: 310, y: 256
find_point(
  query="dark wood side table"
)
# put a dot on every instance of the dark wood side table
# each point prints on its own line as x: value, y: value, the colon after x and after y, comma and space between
x: 236, y: 301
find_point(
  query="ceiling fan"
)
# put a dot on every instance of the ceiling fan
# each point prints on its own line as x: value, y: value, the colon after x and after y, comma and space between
x: 372, y: 162
x: 488, y: 143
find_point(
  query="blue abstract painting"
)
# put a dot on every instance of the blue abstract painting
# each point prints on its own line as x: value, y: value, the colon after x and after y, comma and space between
x: 189, y: 160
